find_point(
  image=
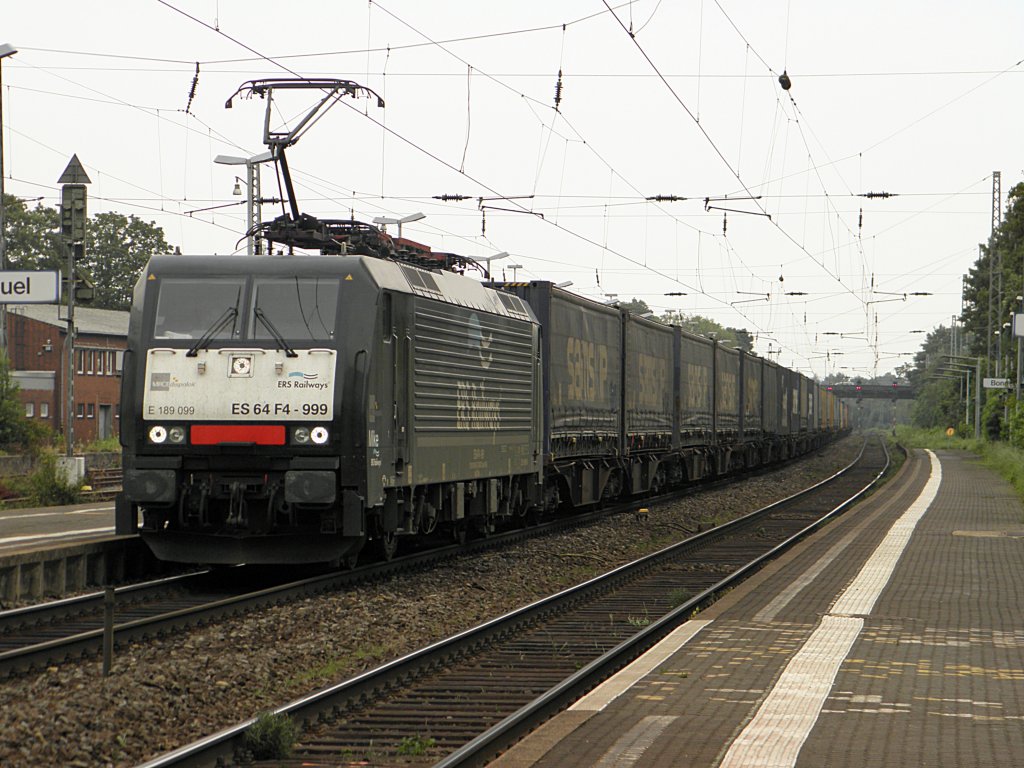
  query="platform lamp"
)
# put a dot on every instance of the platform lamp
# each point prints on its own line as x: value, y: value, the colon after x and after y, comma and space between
x: 1018, y: 331
x: 252, y: 175
x: 6, y: 49
x: 488, y: 259
x: 384, y: 221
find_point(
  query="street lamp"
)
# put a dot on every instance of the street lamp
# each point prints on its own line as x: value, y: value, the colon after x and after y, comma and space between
x: 1018, y: 331
x: 514, y: 267
x: 253, y: 216
x: 488, y: 259
x: 6, y: 49
x: 384, y: 221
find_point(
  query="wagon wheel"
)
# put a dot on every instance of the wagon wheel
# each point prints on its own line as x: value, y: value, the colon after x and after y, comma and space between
x: 350, y: 560
x: 459, y: 533
x: 387, y: 545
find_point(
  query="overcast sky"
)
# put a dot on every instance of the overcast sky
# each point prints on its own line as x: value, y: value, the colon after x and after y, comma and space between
x: 658, y: 97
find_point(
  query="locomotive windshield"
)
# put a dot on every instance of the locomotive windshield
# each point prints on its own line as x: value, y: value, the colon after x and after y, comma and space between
x: 187, y: 309
x: 297, y: 307
x: 292, y: 307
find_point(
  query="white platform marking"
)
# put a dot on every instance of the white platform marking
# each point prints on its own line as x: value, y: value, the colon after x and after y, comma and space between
x: 631, y: 746
x: 62, y: 535
x: 628, y: 676
x: 773, y: 738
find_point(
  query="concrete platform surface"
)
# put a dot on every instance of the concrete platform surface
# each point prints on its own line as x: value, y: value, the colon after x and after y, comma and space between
x: 894, y: 637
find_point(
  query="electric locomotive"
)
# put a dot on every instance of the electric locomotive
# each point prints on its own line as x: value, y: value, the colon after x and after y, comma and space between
x: 288, y: 409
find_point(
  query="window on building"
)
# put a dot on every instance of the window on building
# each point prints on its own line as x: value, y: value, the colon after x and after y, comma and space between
x: 90, y: 358
x: 81, y: 361
x: 91, y: 410
x: 30, y: 410
x: 118, y: 361
x: 80, y: 410
x: 44, y: 410
x: 109, y: 354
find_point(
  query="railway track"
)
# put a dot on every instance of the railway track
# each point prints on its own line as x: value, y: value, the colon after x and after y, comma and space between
x: 38, y: 636
x: 462, y: 700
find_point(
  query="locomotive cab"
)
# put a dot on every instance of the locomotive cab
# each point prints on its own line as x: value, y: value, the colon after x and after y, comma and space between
x: 235, y: 374
x: 286, y: 409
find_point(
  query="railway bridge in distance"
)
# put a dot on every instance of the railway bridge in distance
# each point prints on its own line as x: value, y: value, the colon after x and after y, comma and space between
x: 873, y: 391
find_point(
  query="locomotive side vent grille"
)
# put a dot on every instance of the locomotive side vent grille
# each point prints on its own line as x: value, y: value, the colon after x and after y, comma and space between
x: 421, y: 282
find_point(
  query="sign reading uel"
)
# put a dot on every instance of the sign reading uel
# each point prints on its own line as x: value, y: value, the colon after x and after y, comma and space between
x: 29, y: 287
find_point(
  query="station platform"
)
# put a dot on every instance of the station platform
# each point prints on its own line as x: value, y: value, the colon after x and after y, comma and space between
x: 893, y: 637
x: 51, y: 552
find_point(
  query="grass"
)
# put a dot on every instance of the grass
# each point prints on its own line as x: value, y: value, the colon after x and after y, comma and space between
x: 271, y: 737
x: 333, y: 668
x: 1001, y: 458
x: 415, y: 746
x: 679, y: 596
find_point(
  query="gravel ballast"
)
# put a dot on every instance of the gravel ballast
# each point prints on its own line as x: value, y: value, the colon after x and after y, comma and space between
x: 170, y: 691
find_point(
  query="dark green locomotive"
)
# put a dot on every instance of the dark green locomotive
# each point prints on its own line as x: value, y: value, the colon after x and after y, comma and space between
x: 288, y: 409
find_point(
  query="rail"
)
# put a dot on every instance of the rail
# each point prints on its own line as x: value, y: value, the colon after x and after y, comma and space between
x: 330, y: 704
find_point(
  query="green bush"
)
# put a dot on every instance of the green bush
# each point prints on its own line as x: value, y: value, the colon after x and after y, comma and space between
x: 415, y: 746
x: 271, y: 737
x: 47, y: 486
x: 106, y: 445
x: 1004, y: 459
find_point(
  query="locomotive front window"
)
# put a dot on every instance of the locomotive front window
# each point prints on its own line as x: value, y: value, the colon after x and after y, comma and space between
x: 297, y: 307
x: 189, y: 308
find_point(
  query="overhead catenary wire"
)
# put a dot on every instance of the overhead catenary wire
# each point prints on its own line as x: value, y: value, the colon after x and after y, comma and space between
x: 573, y: 163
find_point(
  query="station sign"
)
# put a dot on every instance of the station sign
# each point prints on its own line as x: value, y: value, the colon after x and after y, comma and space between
x: 29, y: 287
x: 996, y: 383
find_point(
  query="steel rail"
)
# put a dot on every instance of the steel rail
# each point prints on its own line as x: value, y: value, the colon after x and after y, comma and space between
x: 219, y: 748
x: 81, y: 644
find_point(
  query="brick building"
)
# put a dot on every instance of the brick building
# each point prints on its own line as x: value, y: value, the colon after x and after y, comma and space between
x: 36, y: 335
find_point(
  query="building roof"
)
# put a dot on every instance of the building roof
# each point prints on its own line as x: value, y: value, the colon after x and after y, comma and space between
x: 103, y: 322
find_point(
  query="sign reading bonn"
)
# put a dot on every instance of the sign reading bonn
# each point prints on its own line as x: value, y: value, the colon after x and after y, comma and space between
x: 996, y: 383
x: 29, y: 287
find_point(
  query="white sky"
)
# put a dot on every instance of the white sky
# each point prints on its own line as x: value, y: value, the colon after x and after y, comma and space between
x: 923, y: 99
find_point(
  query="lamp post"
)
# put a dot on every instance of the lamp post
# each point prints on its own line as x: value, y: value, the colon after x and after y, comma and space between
x: 514, y: 267
x: 384, y: 221
x: 1018, y: 331
x: 963, y: 364
x: 6, y: 49
x: 488, y: 259
x: 253, y: 216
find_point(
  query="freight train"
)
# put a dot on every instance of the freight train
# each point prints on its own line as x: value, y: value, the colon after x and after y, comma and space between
x: 294, y: 408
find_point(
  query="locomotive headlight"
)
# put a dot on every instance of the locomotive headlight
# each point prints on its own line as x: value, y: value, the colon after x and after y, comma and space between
x: 301, y: 435
x: 319, y: 435
x: 157, y: 434
x: 176, y: 434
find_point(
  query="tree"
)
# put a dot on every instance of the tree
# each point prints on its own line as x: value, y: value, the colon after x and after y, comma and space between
x: 117, y: 248
x: 32, y: 235
x: 16, y: 432
x: 635, y: 306
x: 939, y: 401
x: 705, y: 326
x: 1003, y: 256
